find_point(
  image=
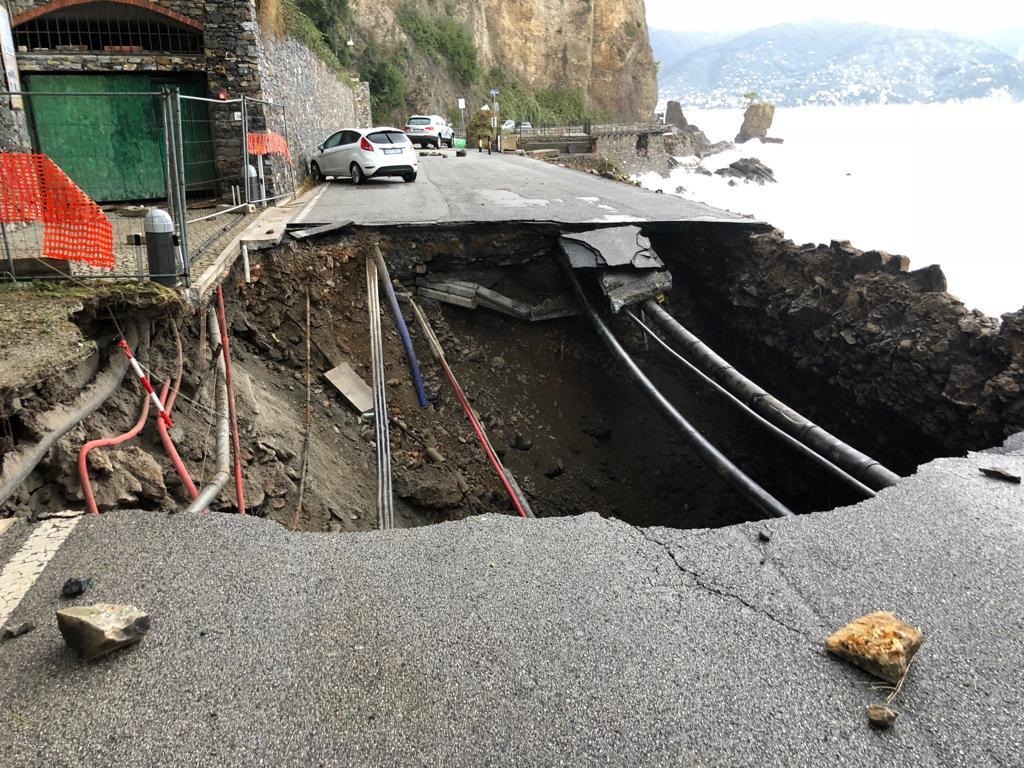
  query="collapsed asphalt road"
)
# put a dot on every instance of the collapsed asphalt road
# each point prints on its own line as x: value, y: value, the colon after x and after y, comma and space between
x: 500, y: 188
x: 577, y: 641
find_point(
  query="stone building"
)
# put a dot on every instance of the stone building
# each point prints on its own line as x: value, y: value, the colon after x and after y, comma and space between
x: 98, y: 54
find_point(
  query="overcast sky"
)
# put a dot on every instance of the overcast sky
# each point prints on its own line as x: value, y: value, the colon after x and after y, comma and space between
x: 740, y: 15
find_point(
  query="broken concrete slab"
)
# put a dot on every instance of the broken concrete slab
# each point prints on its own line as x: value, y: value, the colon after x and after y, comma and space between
x: 626, y: 288
x: 618, y: 247
x: 352, y: 387
x: 96, y: 630
x: 878, y: 643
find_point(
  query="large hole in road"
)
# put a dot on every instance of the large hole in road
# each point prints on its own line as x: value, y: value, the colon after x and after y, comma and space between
x: 576, y: 432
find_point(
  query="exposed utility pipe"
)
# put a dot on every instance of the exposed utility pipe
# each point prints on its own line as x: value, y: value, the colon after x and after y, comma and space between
x: 106, y: 442
x: 858, y: 464
x: 821, y: 461
x: 83, y: 454
x: 410, y: 354
x: 512, y: 488
x: 161, y: 426
x: 18, y: 466
x: 229, y: 380
x: 707, y: 452
x: 385, y: 496
x: 217, y: 482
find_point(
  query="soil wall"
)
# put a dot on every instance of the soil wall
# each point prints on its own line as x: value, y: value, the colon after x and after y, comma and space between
x: 866, y: 345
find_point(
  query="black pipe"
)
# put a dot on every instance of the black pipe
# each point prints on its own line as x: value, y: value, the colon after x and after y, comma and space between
x: 853, y: 461
x: 791, y: 441
x: 710, y: 455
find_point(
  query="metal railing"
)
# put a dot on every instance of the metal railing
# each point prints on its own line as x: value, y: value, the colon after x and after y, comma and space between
x: 130, y: 152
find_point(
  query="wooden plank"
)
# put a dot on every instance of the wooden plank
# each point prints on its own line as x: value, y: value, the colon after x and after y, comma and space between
x: 352, y: 386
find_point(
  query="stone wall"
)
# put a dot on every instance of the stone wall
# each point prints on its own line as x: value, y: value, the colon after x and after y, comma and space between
x: 13, y: 129
x: 889, y: 346
x: 238, y: 59
x: 317, y: 100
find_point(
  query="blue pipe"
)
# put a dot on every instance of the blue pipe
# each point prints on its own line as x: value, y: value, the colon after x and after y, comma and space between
x: 410, y: 354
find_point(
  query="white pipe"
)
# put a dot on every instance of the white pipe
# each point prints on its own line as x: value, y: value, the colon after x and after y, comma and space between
x: 217, y: 482
x: 245, y: 263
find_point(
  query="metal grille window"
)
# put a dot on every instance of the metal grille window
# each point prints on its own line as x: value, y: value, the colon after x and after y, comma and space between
x: 107, y: 28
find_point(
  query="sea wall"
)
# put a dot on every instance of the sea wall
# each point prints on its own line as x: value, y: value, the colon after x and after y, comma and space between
x: 890, y: 346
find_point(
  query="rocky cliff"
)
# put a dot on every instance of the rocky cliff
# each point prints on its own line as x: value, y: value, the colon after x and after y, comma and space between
x: 599, y: 47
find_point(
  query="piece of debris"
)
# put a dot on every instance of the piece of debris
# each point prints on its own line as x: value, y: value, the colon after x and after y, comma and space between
x: 764, y: 536
x: 17, y: 630
x: 878, y: 643
x: 999, y: 473
x: 434, y: 455
x: 352, y: 386
x: 76, y: 586
x: 881, y: 716
x: 96, y: 630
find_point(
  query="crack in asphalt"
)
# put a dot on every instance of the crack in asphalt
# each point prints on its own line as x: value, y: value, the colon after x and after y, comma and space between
x: 699, y: 582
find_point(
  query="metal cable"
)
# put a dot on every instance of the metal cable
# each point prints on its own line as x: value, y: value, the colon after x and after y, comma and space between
x: 385, y: 497
x: 791, y: 441
x: 853, y: 461
x: 711, y: 456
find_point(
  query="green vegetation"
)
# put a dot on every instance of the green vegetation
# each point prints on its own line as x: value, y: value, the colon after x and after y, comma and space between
x: 387, y: 83
x: 298, y: 25
x: 751, y: 96
x: 441, y: 38
x: 541, y: 106
x: 332, y: 19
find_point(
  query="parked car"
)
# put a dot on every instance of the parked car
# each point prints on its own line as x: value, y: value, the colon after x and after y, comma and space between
x: 365, y: 153
x: 524, y: 127
x: 508, y: 125
x: 430, y: 130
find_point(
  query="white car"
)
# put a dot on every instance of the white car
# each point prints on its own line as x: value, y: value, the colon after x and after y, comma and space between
x: 508, y: 125
x: 365, y: 153
x: 429, y: 129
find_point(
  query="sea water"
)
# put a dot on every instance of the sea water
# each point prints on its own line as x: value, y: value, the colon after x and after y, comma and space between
x: 940, y: 183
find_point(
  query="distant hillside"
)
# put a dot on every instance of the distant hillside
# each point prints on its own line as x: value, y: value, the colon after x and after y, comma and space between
x: 834, y: 63
x: 670, y: 46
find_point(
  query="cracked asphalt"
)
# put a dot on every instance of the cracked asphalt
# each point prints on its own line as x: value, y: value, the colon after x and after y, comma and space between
x: 499, y: 641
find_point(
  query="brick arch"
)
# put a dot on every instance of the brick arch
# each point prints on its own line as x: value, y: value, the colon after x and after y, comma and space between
x: 57, y: 5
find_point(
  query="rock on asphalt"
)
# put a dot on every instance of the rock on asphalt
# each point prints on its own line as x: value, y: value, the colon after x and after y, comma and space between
x: 550, y: 642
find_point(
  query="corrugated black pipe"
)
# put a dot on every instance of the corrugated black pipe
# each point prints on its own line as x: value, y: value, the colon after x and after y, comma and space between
x: 707, y: 452
x: 860, y: 465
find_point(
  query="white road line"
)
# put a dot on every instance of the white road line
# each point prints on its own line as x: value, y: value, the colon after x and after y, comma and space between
x: 24, y: 568
x: 309, y: 206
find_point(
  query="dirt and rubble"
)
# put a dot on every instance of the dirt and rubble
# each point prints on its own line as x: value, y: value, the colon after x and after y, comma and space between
x: 886, y: 359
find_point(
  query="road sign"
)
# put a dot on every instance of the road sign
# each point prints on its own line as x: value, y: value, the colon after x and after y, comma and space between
x: 495, y: 91
x: 462, y: 103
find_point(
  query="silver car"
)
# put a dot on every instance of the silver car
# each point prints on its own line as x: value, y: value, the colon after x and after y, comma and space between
x: 429, y: 130
x: 365, y: 153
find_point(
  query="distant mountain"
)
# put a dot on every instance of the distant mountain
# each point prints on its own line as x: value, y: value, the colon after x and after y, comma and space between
x: 825, y: 62
x: 670, y: 46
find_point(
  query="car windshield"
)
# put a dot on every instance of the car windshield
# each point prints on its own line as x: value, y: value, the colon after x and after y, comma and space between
x: 419, y: 121
x: 388, y: 137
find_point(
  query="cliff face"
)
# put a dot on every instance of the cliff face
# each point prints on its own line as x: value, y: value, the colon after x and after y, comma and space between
x: 598, y: 46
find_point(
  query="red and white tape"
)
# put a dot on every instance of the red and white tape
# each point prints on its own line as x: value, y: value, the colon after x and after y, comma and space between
x: 145, y: 381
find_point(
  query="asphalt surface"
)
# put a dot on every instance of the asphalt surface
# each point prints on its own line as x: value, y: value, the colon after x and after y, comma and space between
x: 502, y: 188
x: 498, y: 641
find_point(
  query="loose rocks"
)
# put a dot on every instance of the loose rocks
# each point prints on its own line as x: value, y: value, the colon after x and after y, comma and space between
x: 881, y: 716
x: 16, y: 630
x: 96, y: 630
x: 76, y: 586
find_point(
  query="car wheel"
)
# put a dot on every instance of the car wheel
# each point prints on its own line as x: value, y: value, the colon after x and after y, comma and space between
x: 409, y: 178
x: 314, y: 171
x: 358, y: 177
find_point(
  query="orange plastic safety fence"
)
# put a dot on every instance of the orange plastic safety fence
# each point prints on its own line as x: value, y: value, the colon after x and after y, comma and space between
x: 33, y: 188
x: 268, y: 143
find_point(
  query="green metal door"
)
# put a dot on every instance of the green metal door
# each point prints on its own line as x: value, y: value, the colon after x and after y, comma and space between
x: 109, y: 141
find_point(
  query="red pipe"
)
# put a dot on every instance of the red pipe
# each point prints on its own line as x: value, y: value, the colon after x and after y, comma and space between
x: 105, y: 442
x: 172, y: 451
x: 482, y: 437
x: 161, y: 426
x: 229, y: 380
